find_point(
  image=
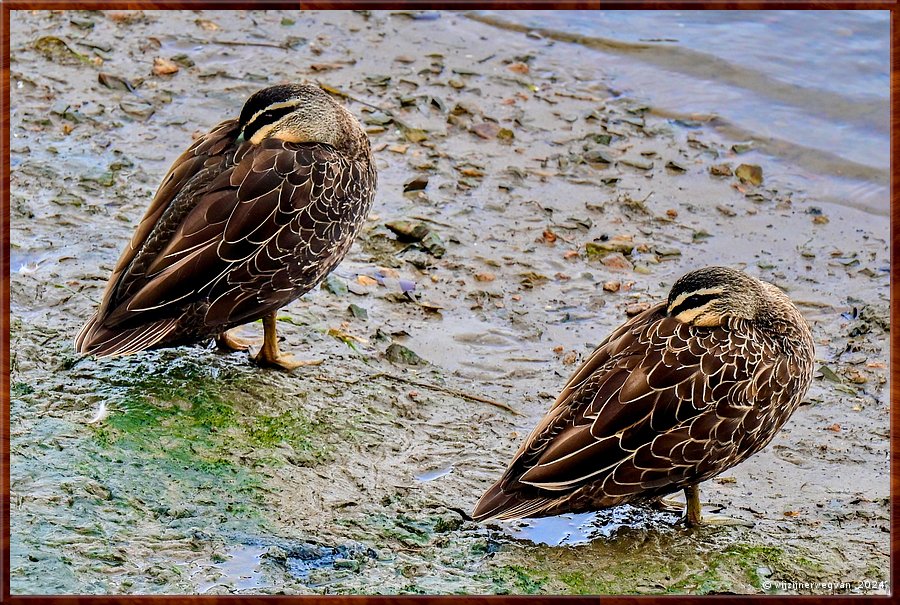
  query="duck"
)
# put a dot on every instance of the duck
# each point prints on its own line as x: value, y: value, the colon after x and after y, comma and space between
x: 250, y: 217
x: 683, y: 391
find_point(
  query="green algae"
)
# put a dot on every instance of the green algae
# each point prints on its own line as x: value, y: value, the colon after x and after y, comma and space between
x: 517, y: 579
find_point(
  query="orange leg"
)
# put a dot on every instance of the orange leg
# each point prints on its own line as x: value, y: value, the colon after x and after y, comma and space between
x: 229, y: 342
x: 270, y: 356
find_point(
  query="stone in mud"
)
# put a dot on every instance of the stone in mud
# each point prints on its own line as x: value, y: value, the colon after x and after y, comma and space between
x: 397, y: 353
x: 434, y: 244
x: 408, y: 231
x: 417, y: 183
x: 335, y: 285
x: 486, y: 130
x: 616, y: 244
x: 597, y: 156
x: 358, y: 312
x: 637, y: 163
x: 720, y: 170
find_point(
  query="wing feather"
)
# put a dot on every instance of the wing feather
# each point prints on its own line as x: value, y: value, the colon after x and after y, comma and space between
x: 639, y: 417
x: 232, y: 223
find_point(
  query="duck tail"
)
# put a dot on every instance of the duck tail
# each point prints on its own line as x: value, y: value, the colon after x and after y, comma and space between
x: 101, y: 341
x: 497, y: 504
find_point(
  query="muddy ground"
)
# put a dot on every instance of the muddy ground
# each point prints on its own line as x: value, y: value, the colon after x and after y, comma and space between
x: 191, y: 471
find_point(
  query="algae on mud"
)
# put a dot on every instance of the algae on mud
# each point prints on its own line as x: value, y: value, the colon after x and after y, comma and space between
x: 209, y: 475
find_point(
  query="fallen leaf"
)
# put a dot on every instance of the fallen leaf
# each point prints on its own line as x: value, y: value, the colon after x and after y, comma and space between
x: 749, y: 173
x: 164, y: 67
x: 324, y: 66
x: 415, y: 135
x: 726, y: 210
x: 857, y: 377
x: 617, y: 262
x: 486, y: 130
x: 123, y: 16
x: 471, y: 171
x: 518, y: 67
x: 346, y: 336
x: 636, y: 308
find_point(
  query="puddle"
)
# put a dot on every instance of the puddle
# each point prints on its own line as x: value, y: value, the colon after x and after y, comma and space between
x: 241, y: 571
x: 573, y: 529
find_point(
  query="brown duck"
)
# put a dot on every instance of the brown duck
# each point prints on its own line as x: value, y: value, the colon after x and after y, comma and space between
x: 675, y: 396
x: 253, y: 215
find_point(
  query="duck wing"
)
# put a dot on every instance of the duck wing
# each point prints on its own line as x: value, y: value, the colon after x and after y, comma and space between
x: 206, y: 152
x: 238, y: 239
x: 658, y: 404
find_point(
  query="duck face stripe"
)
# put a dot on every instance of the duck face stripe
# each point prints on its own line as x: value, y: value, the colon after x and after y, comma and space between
x: 269, y: 116
x: 694, y: 301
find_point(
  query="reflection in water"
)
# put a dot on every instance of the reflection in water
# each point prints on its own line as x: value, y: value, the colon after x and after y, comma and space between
x: 572, y: 529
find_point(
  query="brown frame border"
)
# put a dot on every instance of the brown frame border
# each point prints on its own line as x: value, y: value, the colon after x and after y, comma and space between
x: 894, y: 370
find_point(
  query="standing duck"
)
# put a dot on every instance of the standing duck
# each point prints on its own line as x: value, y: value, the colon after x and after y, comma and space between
x: 675, y: 396
x: 253, y: 215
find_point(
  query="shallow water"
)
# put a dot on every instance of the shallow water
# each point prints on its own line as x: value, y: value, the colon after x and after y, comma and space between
x: 581, y: 528
x: 811, y: 87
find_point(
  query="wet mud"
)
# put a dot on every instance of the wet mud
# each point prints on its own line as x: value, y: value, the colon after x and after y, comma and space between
x: 553, y: 205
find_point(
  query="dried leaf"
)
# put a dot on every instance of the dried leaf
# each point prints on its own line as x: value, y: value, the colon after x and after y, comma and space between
x: 164, y: 67
x: 749, y: 173
x: 518, y: 68
x: 206, y: 25
x: 486, y: 130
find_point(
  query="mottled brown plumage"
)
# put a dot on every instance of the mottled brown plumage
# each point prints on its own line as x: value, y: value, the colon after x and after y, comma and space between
x: 253, y: 215
x: 675, y: 396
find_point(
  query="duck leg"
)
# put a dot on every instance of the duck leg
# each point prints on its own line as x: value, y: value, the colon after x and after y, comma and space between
x: 692, y: 507
x: 227, y: 341
x: 693, y: 516
x: 270, y: 356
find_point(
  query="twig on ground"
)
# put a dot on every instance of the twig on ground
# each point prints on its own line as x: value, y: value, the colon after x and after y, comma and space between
x: 340, y: 93
x: 426, y: 385
x: 240, y: 43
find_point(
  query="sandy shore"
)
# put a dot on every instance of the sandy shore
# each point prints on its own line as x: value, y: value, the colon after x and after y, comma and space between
x: 558, y: 205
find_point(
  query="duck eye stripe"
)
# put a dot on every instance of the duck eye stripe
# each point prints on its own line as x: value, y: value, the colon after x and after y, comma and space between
x: 692, y: 302
x: 267, y: 117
